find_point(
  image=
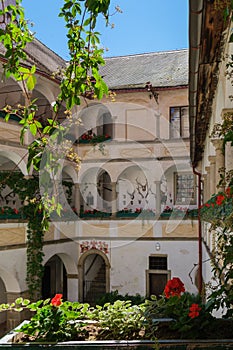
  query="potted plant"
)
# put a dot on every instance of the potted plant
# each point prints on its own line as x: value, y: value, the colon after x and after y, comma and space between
x: 176, y: 315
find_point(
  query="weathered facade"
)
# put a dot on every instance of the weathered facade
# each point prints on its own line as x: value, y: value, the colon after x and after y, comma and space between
x: 122, y: 235
x: 210, y: 99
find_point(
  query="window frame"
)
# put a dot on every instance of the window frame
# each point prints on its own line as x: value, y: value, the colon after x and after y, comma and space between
x: 187, y: 202
x: 156, y: 272
x: 180, y: 126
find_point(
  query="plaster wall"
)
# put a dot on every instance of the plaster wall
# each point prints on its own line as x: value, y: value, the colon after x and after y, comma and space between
x: 132, y: 259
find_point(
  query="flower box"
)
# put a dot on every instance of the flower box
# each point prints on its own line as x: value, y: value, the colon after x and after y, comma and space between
x: 96, y: 215
x: 165, y: 215
x: 137, y: 214
x: 94, y: 139
x: 8, y: 342
x: 122, y: 214
x: 11, y: 216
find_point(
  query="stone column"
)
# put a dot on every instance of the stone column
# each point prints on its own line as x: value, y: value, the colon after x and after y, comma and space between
x: 212, y: 175
x: 114, y: 199
x: 228, y: 156
x: 158, y: 197
x: 77, y: 197
x: 207, y: 169
x: 72, y: 284
x: 205, y: 198
x: 220, y: 161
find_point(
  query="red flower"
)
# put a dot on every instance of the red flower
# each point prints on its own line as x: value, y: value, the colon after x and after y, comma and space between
x: 194, y: 310
x: 174, y: 287
x: 220, y: 198
x: 228, y: 192
x: 16, y: 211
x: 56, y: 301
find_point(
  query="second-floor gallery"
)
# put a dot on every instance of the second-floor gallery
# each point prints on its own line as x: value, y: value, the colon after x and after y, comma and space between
x: 129, y: 219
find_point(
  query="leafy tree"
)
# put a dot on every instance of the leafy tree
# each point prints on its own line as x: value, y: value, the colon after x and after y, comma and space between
x: 79, y: 79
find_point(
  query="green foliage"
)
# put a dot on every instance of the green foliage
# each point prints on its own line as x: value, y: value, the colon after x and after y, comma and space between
x: 177, y: 310
x: 114, y: 296
x: 34, y: 212
x: 53, y: 323
x: 120, y: 320
x: 218, y: 211
x: 80, y: 79
x: 179, y: 316
x: 65, y: 321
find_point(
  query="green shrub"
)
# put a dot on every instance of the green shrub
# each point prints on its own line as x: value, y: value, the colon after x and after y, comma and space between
x: 114, y: 296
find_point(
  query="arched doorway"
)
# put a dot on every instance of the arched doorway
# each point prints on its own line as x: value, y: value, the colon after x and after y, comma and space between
x: 3, y: 314
x: 104, y: 192
x: 94, y: 271
x: 54, y: 279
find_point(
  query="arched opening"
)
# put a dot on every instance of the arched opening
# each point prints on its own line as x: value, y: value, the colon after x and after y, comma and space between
x: 105, y: 125
x: 94, y: 282
x: 3, y: 314
x: 94, y: 275
x: 55, y: 278
x: 104, y: 187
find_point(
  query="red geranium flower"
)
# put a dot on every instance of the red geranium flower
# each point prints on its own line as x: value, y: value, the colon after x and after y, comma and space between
x: 174, y: 287
x: 194, y: 310
x: 56, y: 301
x: 220, y: 198
x: 228, y: 192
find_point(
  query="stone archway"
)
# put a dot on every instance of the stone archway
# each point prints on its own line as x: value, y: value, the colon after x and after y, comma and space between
x: 3, y: 314
x: 55, y: 278
x: 94, y: 275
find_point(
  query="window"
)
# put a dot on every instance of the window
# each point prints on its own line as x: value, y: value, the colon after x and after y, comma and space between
x: 179, y: 122
x: 157, y: 262
x: 157, y: 275
x: 185, y: 189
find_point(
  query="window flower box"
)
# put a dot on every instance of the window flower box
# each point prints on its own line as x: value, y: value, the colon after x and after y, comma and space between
x: 126, y: 213
x: 94, y: 214
x: 92, y: 138
x: 165, y: 215
x: 7, y: 213
x: 138, y: 213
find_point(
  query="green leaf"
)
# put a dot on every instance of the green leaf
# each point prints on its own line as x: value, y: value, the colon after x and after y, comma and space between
x: 19, y: 301
x: 33, y: 129
x: 7, y: 116
x: 31, y: 82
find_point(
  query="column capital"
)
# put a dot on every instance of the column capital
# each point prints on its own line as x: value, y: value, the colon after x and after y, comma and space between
x: 212, y: 159
x: 218, y: 144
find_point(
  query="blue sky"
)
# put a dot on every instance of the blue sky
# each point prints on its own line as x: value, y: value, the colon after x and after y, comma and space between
x: 145, y: 26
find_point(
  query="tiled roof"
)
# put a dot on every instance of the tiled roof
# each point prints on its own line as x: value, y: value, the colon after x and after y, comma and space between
x: 45, y: 59
x: 161, y: 69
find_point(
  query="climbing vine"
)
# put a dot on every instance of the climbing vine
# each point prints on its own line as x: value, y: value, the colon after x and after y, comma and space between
x: 33, y: 211
x: 78, y: 80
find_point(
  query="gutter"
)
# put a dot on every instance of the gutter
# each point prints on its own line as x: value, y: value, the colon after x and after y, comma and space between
x: 195, y: 25
x: 200, y: 284
x: 195, y: 28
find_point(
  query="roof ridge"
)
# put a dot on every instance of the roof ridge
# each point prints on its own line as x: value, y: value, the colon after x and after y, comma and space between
x: 147, y: 53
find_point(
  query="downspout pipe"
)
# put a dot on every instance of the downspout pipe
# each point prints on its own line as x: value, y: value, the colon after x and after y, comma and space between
x: 199, y: 203
x: 196, y: 9
x: 195, y: 28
